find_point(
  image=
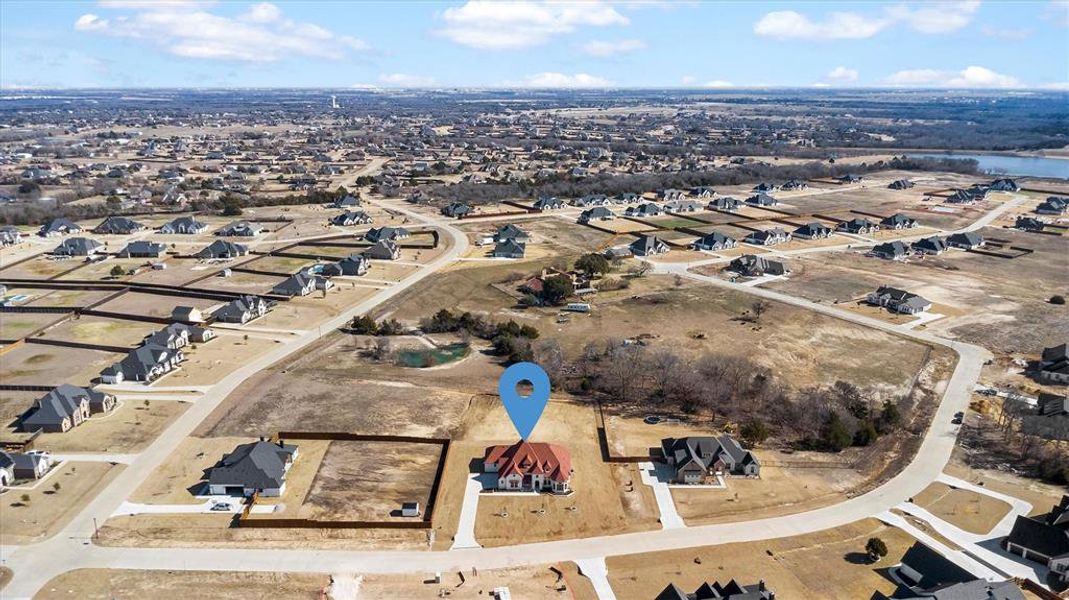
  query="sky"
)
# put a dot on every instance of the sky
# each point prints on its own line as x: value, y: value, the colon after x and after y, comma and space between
x: 479, y: 43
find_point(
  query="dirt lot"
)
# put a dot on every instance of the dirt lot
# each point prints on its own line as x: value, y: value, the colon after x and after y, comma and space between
x: 967, y: 510
x: 1042, y: 496
x: 523, y: 582
x: 994, y: 296
x: 100, y: 330
x: 48, y: 509
x: 828, y: 564
x: 154, y: 305
x: 15, y: 326
x: 107, y: 584
x: 35, y: 364
x: 43, y: 297
x: 209, y: 362
x: 367, y: 481
x: 303, y: 393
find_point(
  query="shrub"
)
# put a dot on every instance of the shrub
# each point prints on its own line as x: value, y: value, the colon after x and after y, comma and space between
x: 1057, y: 299
x: 754, y: 431
x: 876, y: 548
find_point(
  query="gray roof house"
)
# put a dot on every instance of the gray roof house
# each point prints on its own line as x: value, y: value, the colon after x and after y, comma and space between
x: 59, y: 226
x: 256, y: 468
x: 353, y: 265
x: 187, y: 314
x: 597, y: 213
x: 898, y: 221
x: 548, y: 203
x: 31, y: 465
x: 348, y: 201
x: 648, y: 245
x: 1044, y: 539
x: 930, y: 245
x: 682, y: 206
x: 895, y: 250
x: 7, y: 469
x: 64, y: 407
x: 813, y: 231
x: 116, y: 225
x: 222, y: 249
x: 383, y: 250
x: 457, y: 210
x: 858, y: 225
x: 899, y: 301
x: 511, y: 232
x: 928, y: 575
x: 646, y: 209
x: 901, y: 184
x: 78, y: 246
x: 239, y: 229
x: 966, y: 241
x: 714, y: 240
x: 715, y: 591
x: 1054, y: 364
x: 348, y: 218
x: 769, y: 237
x: 146, y: 363
x: 298, y: 284
x: 725, y: 203
x: 751, y: 265
x: 509, y: 249
x: 1053, y: 205
x: 241, y: 310
x: 184, y: 225
x: 1026, y: 223
x: 761, y: 199
x: 143, y: 249
x: 378, y: 234
x: 699, y: 459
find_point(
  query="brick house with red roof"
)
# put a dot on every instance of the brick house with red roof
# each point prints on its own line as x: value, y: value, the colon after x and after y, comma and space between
x: 530, y: 467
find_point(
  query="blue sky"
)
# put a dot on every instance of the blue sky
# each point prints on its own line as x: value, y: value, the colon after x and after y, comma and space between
x: 181, y: 43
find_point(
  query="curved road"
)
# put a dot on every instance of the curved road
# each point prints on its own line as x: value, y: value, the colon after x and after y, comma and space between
x: 71, y: 549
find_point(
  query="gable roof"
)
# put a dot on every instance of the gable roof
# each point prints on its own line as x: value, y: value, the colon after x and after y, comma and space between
x: 59, y: 404
x: 531, y: 458
x: 257, y: 465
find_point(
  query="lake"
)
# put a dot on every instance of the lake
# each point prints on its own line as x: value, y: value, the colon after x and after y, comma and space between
x: 1002, y: 164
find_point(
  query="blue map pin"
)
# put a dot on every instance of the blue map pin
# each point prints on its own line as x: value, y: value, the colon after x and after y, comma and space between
x: 524, y: 410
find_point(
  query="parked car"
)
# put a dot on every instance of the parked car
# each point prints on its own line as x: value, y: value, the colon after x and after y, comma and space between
x: 222, y: 507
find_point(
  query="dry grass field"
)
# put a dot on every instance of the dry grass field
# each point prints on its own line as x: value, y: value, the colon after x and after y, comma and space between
x: 15, y: 326
x: 114, y: 584
x: 45, y: 509
x: 153, y: 305
x: 131, y: 427
x: 967, y: 510
x: 994, y: 296
x: 830, y: 564
x: 1042, y: 496
x: 367, y: 481
x: 104, y: 331
x: 34, y: 364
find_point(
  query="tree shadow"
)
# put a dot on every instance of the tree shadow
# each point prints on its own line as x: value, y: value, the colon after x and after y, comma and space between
x: 857, y: 558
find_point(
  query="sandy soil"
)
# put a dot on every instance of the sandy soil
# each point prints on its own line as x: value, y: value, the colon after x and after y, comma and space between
x: 107, y: 584
x: 131, y: 427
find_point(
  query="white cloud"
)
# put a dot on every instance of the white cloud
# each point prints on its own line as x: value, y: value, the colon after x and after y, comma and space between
x: 563, y: 80
x: 969, y: 77
x: 718, y: 83
x: 522, y: 24
x: 929, y: 18
x: 265, y: 12
x: 605, y: 49
x: 842, y: 75
x: 1057, y: 12
x: 936, y: 17
x: 688, y: 80
x: 260, y: 35
x: 406, y: 80
x: 1005, y: 33
x: 1057, y: 85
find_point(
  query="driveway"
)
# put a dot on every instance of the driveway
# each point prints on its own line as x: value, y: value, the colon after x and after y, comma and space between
x: 670, y: 519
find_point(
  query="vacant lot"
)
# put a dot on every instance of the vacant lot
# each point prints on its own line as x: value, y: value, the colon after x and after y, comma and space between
x: 36, y: 364
x: 15, y: 326
x: 153, y: 305
x: 209, y: 362
x: 828, y: 564
x: 31, y: 515
x: 967, y: 510
x: 523, y: 582
x: 367, y: 481
x: 103, y: 331
x: 303, y: 393
x: 1001, y: 302
x: 109, y: 584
